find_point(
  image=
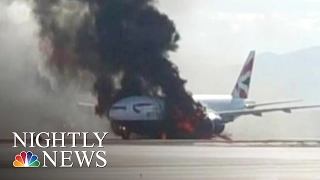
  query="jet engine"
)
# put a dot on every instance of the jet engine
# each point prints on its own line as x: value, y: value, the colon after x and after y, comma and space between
x: 218, y: 125
x: 211, y: 125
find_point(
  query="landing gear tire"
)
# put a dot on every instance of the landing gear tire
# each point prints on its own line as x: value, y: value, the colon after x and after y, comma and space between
x: 125, y: 134
x: 116, y: 128
x: 163, y: 136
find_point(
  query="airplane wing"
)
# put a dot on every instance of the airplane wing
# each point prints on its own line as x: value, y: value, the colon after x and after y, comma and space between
x: 254, y: 105
x: 229, y: 115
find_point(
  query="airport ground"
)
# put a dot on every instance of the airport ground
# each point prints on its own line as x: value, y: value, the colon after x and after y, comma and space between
x: 183, y: 160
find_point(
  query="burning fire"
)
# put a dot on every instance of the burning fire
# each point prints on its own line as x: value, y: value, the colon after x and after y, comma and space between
x: 188, y: 123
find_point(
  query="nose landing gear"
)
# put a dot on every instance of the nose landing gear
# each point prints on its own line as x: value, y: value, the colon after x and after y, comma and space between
x: 120, y: 130
x: 125, y: 133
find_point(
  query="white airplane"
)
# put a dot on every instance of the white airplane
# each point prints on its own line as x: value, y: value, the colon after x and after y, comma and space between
x: 143, y: 115
x: 237, y: 102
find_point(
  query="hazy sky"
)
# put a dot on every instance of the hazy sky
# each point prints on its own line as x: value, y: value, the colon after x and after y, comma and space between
x: 228, y: 29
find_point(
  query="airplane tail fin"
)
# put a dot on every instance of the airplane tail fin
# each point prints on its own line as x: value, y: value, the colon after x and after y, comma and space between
x: 241, y: 88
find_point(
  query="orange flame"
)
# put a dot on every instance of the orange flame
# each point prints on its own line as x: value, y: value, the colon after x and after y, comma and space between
x: 187, y: 122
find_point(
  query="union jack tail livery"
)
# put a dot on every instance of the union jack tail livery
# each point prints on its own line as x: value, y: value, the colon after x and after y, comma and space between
x: 241, y: 89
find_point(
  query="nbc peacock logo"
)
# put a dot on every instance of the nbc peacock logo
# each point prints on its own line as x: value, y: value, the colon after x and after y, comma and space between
x: 26, y: 160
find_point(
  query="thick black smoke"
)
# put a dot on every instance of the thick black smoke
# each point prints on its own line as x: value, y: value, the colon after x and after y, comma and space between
x: 117, y: 39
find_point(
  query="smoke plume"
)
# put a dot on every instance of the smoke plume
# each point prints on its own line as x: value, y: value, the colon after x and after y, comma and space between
x: 124, y: 44
x: 28, y: 98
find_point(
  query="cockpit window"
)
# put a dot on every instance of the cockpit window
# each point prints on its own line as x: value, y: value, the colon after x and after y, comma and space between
x: 119, y: 107
x: 143, y: 104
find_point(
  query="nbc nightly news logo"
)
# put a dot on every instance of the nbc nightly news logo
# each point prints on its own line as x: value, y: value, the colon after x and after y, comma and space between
x: 28, y: 159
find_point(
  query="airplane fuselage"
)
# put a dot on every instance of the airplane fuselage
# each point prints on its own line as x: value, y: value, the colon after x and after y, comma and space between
x: 143, y: 115
x: 222, y: 102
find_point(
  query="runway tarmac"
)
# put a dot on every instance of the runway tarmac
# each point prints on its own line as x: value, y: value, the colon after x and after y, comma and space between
x: 176, y: 161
